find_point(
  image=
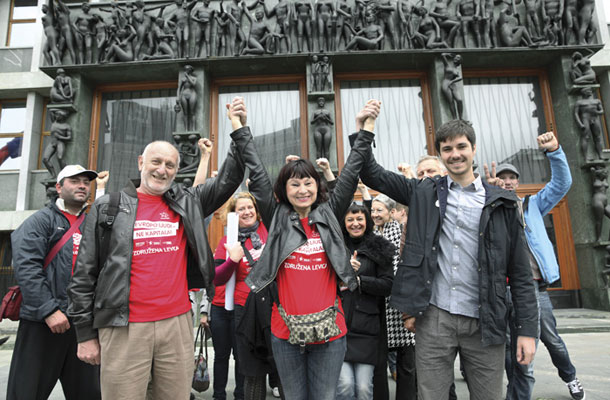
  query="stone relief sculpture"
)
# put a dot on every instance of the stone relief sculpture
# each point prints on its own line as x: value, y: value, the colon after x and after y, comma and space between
x: 587, y: 113
x: 325, y: 85
x: 303, y: 16
x: 50, y: 49
x: 204, y: 28
x: 322, y: 134
x: 61, y: 132
x: 599, y: 201
x: 452, y: 86
x: 315, y: 74
x: 62, y: 91
x: 186, y: 101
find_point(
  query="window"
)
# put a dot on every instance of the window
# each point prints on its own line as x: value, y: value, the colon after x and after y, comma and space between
x: 507, y: 114
x: 22, y: 23
x: 400, y: 130
x: 12, y: 125
x: 128, y: 120
x: 275, y: 118
x: 7, y: 278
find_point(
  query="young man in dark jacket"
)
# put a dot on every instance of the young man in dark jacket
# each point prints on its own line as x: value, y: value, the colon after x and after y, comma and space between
x: 129, y: 301
x: 464, y: 238
x: 45, y: 348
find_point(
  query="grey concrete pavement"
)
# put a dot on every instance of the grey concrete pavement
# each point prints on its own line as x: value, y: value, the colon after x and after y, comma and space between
x: 586, y: 333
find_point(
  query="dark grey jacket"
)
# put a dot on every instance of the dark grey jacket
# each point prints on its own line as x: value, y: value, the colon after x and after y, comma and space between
x: 44, y: 291
x: 99, y: 294
x: 286, y: 233
x: 502, y: 251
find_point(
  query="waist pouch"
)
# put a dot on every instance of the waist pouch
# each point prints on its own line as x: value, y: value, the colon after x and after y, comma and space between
x: 311, y: 328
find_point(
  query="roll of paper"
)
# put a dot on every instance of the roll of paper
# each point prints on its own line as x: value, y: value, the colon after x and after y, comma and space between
x: 232, y: 231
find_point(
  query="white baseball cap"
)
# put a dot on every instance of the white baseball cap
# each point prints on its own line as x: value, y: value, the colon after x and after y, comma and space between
x: 73, y: 170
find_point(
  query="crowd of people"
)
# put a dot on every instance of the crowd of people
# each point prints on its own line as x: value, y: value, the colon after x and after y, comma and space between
x: 319, y: 293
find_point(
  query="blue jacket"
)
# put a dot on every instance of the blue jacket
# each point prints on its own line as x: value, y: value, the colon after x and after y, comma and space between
x: 538, y: 206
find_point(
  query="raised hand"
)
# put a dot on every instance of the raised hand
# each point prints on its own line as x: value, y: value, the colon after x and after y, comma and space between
x: 491, y: 178
x: 237, y: 113
x: 365, y: 119
x: 547, y: 142
x: 354, y: 261
x: 206, y: 146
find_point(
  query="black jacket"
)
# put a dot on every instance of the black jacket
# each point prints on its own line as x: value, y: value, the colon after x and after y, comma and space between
x: 99, y: 294
x: 363, y: 308
x: 502, y: 251
x: 286, y: 233
x: 44, y: 291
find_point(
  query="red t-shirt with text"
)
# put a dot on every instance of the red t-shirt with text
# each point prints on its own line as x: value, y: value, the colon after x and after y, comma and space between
x: 76, y: 236
x: 306, y: 284
x: 243, y: 269
x: 158, y: 265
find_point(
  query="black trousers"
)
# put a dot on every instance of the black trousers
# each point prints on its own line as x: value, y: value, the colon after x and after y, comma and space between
x: 41, y: 357
x: 406, y: 377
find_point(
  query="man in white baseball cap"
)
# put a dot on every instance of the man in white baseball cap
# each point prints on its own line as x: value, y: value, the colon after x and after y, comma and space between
x: 44, y: 251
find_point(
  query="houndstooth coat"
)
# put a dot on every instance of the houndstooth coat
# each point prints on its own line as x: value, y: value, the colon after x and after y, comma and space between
x: 398, y: 336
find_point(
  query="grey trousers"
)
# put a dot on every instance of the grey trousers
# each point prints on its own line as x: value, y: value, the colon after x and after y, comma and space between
x: 440, y: 336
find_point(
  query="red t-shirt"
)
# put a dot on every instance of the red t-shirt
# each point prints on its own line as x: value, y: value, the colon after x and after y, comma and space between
x: 306, y: 284
x: 243, y: 269
x: 158, y: 265
x: 76, y: 236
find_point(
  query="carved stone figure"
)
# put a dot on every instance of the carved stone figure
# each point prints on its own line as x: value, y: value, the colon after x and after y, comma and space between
x: 570, y: 21
x: 141, y: 22
x: 587, y: 113
x: 117, y: 13
x: 405, y: 14
x: 324, y: 84
x: 84, y: 30
x: 261, y: 34
x: 179, y: 18
x: 599, y: 201
x: 66, y: 39
x: 101, y: 36
x: 468, y: 12
x: 452, y: 85
x: 283, y: 24
x: 322, y: 135
x: 187, y: 98
x: 202, y: 28
x: 161, y: 41
x: 582, y: 73
x: 489, y: 25
x: 303, y: 12
x: 511, y: 33
x: 343, y: 14
x: 315, y: 73
x: 121, y: 46
x: 552, y: 12
x: 428, y: 32
x: 236, y: 39
x: 369, y: 37
x: 222, y: 32
x: 50, y: 48
x: 587, y: 26
x: 532, y: 22
x: 324, y: 10
x: 61, y: 91
x: 385, y: 18
x: 61, y: 132
x: 446, y: 22
x: 189, y: 153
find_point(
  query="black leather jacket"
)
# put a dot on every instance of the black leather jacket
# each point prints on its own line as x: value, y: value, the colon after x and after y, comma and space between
x: 285, y: 230
x: 99, y: 295
x: 502, y: 251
